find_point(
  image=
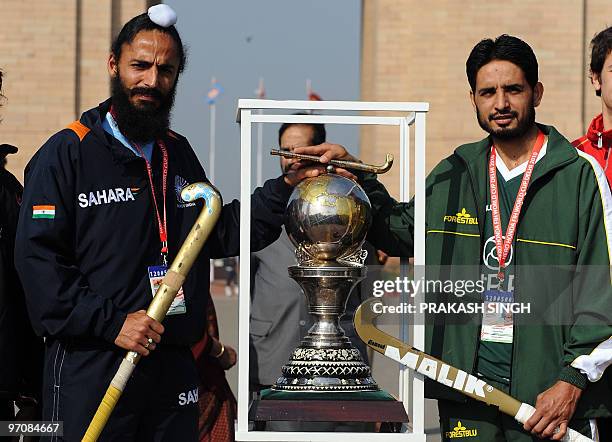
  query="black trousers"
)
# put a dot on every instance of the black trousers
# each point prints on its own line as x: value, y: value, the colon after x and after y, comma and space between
x: 160, y: 401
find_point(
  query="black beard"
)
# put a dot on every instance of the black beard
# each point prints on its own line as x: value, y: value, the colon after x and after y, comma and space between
x: 521, y: 129
x: 141, y: 124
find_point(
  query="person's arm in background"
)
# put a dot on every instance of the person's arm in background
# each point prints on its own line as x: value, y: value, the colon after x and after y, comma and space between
x: 268, y: 204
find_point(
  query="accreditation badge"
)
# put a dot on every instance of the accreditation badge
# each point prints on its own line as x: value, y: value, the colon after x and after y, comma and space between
x: 156, y: 276
x: 497, y: 317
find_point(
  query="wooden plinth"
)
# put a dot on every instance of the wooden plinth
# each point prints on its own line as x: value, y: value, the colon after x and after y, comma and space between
x: 327, y: 411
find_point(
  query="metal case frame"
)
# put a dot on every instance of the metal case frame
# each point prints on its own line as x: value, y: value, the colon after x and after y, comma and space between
x: 411, y: 385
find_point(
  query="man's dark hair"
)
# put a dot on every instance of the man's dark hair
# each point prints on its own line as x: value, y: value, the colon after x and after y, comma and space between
x: 318, y: 131
x: 505, y: 47
x: 140, y: 23
x: 601, y: 46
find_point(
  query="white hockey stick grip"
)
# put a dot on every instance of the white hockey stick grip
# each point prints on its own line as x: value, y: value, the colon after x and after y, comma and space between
x: 526, y: 411
x: 123, y: 374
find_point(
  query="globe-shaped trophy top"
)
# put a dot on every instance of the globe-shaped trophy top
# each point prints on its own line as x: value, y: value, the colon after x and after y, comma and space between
x: 328, y: 217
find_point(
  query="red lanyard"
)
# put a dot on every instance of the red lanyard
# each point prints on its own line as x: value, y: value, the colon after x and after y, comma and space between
x: 163, y: 227
x: 503, y: 245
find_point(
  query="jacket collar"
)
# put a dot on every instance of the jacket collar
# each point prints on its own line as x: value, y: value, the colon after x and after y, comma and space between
x: 559, y: 152
x: 596, y: 132
x: 93, y: 120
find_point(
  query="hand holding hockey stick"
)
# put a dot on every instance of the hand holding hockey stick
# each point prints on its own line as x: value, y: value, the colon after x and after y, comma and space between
x: 164, y: 296
x: 441, y: 372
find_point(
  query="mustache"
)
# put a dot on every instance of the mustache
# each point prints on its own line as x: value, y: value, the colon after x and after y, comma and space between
x: 141, y: 124
x: 148, y: 91
x: 509, y: 113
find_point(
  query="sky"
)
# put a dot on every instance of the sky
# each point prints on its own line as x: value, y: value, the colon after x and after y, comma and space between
x: 283, y: 41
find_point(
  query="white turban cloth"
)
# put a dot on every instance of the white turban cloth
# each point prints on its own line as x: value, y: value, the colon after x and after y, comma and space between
x: 162, y: 15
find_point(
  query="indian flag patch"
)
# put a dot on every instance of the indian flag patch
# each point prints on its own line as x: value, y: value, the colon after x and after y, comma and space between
x: 39, y: 212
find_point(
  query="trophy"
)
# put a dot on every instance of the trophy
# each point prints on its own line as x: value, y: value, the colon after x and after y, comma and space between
x: 327, y: 219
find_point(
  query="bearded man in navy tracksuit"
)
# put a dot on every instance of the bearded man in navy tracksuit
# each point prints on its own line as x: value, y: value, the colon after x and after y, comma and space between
x: 101, y: 213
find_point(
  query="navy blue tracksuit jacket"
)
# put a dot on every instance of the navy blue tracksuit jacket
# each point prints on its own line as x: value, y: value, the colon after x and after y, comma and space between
x: 84, y: 265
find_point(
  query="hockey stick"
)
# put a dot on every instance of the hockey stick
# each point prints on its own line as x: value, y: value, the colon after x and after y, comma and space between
x: 441, y: 372
x: 164, y: 296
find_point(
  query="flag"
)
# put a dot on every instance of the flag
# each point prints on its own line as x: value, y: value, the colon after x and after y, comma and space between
x: 214, y: 91
x: 46, y: 211
x: 312, y: 96
x: 260, y: 92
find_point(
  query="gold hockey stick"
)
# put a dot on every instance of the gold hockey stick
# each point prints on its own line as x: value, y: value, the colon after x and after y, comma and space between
x: 441, y: 372
x: 351, y: 165
x: 164, y: 296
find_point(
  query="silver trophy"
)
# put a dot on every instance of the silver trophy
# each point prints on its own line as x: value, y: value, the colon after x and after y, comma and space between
x: 327, y: 219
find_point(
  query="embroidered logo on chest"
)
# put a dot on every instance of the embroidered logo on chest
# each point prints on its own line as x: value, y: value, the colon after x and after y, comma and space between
x: 462, y: 217
x: 179, y: 184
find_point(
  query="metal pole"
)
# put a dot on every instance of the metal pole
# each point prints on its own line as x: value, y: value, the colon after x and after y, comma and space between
x: 211, y: 154
x: 211, y: 166
x: 245, y: 270
x: 261, y: 93
x: 260, y: 152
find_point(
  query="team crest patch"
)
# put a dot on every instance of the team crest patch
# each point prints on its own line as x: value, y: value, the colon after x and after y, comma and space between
x: 461, y: 431
x: 462, y: 217
x: 179, y: 184
x: 43, y: 212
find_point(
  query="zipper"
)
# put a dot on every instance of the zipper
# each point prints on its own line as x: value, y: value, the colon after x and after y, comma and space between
x: 534, y: 179
x: 480, y: 228
x: 599, y: 140
x: 515, y: 334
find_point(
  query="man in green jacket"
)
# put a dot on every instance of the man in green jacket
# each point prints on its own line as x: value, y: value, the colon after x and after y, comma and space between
x: 540, y: 232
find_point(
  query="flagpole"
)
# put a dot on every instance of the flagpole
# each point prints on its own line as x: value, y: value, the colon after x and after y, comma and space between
x: 211, y: 153
x: 260, y: 92
x: 259, y: 151
x: 211, y: 166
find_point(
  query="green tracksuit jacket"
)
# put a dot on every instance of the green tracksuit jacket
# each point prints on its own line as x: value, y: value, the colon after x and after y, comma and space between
x: 566, y: 220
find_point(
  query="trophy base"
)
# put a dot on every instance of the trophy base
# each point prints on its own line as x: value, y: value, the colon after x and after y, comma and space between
x: 326, y: 361
x: 326, y: 369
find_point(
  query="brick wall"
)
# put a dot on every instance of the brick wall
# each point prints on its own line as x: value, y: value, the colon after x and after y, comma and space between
x: 416, y: 51
x: 598, y: 16
x: 53, y: 54
x: 54, y: 58
x: 37, y: 50
x: 95, y: 41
